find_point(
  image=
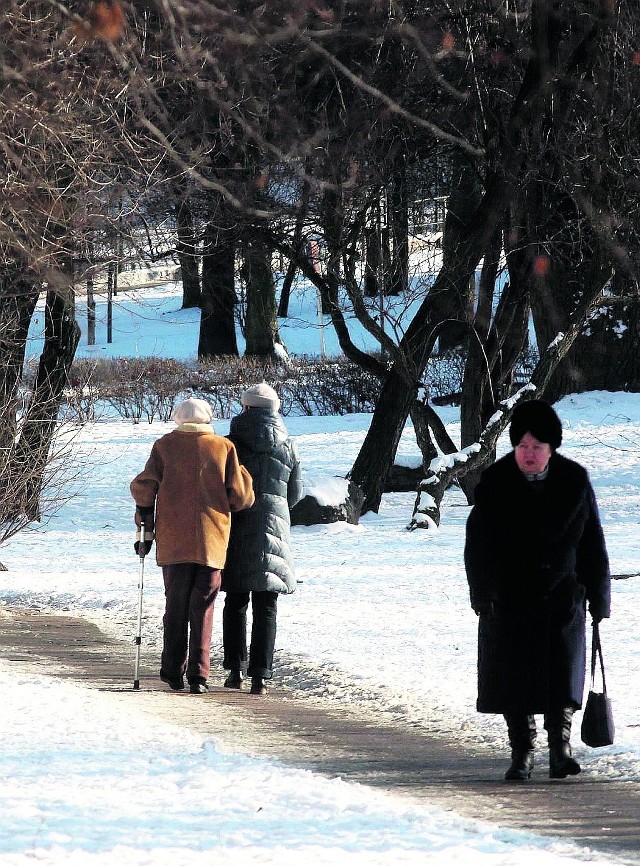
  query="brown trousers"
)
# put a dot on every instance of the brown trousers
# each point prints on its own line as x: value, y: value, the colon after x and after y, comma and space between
x: 190, y: 592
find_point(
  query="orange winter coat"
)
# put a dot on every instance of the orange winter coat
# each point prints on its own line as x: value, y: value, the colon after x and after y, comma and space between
x: 194, y: 480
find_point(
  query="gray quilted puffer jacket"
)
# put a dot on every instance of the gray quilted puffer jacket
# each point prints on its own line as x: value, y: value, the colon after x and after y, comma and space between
x: 259, y: 553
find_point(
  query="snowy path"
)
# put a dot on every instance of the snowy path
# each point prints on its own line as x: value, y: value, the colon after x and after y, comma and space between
x: 313, y: 735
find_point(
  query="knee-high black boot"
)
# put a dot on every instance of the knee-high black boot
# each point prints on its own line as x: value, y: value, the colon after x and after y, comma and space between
x: 558, y: 726
x: 522, y: 739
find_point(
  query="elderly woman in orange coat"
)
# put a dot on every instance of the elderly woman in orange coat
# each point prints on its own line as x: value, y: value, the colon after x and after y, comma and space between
x: 186, y: 492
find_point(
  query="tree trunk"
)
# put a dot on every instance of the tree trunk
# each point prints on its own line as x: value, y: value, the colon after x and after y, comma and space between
x: 110, y: 294
x: 61, y: 340
x: 474, y: 228
x: 571, y: 374
x: 478, y: 386
x: 442, y: 305
x: 261, y: 325
x: 217, y: 324
x: 91, y: 311
x: 18, y: 298
x: 331, y: 217
x: 285, y: 291
x: 298, y: 245
x: 372, y: 261
x: 426, y: 514
x: 400, y: 388
x: 188, y: 257
x: 398, y: 219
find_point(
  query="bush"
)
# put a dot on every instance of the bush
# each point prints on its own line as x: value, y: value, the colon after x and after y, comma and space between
x: 150, y: 387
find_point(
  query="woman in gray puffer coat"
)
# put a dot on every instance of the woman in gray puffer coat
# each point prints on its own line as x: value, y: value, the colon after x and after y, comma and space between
x: 259, y: 565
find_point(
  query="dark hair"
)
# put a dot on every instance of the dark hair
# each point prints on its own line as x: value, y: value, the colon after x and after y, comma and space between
x: 538, y: 418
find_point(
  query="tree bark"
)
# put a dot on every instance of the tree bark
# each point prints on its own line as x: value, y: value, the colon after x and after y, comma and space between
x: 18, y: 297
x: 62, y: 335
x: 331, y: 217
x: 299, y: 245
x: 285, y: 291
x: 91, y: 311
x: 217, y: 323
x: 188, y: 256
x: 398, y: 210
x: 261, y: 325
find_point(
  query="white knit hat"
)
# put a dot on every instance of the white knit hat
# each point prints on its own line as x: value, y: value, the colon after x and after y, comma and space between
x: 261, y: 396
x: 193, y: 411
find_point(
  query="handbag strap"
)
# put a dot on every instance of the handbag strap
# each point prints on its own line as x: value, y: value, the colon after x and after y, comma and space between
x: 596, y: 650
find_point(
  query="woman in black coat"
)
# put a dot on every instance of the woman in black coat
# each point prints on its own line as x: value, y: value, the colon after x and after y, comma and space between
x: 259, y: 564
x: 535, y: 555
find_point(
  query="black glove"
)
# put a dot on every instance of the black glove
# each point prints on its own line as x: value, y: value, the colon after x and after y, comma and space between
x: 483, y: 607
x: 596, y: 615
x: 144, y: 515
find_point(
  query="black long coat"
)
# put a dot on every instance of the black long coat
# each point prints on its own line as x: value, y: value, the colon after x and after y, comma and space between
x: 534, y: 554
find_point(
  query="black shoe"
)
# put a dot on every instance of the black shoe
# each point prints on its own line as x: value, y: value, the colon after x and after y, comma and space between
x: 176, y: 684
x: 561, y: 763
x: 234, y: 680
x: 258, y: 686
x: 521, y: 766
x: 198, y: 688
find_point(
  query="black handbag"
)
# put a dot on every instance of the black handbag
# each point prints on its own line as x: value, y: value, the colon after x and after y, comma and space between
x: 597, y: 721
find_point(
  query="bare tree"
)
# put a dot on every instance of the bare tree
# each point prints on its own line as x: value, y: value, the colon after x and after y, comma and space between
x: 303, y: 118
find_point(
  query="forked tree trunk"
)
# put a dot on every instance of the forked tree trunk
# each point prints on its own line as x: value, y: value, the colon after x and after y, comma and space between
x: 426, y: 511
x: 442, y: 305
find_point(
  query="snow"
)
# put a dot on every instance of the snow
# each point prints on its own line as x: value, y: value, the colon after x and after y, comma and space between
x: 93, y: 782
x: 328, y: 491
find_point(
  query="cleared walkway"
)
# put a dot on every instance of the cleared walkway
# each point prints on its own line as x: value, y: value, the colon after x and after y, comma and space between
x: 602, y: 814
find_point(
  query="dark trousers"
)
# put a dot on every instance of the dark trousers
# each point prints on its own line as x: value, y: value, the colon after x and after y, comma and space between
x: 190, y: 592
x: 523, y: 733
x: 264, y: 607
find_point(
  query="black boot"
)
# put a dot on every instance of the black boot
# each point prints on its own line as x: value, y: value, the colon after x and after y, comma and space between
x: 198, y: 687
x: 561, y: 763
x: 521, y: 766
x: 176, y: 683
x: 234, y: 680
x: 522, y: 738
x: 258, y: 686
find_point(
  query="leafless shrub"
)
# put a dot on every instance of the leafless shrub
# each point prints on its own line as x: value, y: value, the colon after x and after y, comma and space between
x: 150, y: 387
x: 335, y: 387
x: 136, y: 388
x: 82, y: 396
x: 305, y: 386
x: 29, y: 492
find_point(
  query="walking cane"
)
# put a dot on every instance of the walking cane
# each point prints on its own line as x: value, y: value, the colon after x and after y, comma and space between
x: 141, y: 553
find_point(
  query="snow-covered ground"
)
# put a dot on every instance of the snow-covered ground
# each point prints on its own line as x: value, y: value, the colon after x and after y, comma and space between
x: 380, y: 620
